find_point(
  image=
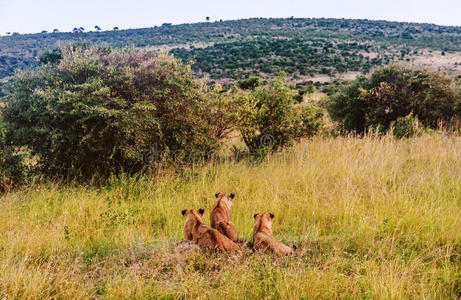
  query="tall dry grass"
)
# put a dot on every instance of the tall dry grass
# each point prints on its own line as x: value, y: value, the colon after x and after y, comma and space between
x: 371, y: 217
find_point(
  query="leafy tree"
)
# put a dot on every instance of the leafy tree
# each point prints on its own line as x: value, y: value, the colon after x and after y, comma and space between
x: 98, y: 110
x: 220, y: 111
x: 269, y: 111
x: 391, y: 93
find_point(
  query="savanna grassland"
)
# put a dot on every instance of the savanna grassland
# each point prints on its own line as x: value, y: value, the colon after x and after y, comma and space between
x: 371, y: 218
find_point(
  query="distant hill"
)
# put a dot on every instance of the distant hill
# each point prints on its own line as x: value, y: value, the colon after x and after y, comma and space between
x: 306, y: 49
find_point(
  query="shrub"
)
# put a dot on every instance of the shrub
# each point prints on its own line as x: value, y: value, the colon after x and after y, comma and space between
x: 96, y: 110
x: 267, y: 116
x: 53, y: 56
x: 12, y: 169
x: 347, y: 106
x: 392, y: 93
x: 220, y: 110
x: 407, y: 126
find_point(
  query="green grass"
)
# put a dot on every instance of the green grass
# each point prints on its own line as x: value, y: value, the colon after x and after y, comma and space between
x: 371, y: 218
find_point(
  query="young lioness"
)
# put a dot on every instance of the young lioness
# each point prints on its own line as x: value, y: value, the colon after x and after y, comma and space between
x: 202, y: 234
x: 263, y: 238
x: 220, y: 216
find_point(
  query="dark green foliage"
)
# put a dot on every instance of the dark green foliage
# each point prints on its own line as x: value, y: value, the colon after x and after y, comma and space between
x: 12, y: 170
x: 348, y: 107
x: 267, y: 116
x: 391, y: 93
x: 405, y: 126
x: 99, y: 109
x: 52, y: 57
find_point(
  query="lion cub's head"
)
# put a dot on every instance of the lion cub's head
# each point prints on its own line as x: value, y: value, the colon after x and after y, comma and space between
x: 225, y: 199
x: 193, y: 218
x: 263, y: 221
x: 193, y: 214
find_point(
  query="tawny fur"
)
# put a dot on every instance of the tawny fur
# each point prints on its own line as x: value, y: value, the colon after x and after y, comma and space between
x: 202, y: 234
x: 263, y: 238
x: 220, y: 216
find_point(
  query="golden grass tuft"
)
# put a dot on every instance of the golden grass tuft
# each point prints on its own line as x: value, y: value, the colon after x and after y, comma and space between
x: 371, y: 217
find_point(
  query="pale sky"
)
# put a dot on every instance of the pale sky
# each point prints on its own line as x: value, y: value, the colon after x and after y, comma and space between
x: 28, y: 16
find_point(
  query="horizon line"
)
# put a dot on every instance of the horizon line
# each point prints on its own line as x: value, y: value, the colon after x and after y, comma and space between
x: 4, y: 34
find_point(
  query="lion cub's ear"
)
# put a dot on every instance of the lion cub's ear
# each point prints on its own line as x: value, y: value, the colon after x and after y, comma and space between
x: 272, y: 215
x: 183, y: 212
x: 217, y: 194
x: 232, y: 195
x: 201, y: 211
x: 255, y: 215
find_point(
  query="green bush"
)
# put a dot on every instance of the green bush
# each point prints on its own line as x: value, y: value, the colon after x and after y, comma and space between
x: 97, y: 110
x: 346, y: 105
x: 267, y: 116
x: 392, y: 93
x: 12, y: 170
x: 52, y: 57
x: 407, y: 126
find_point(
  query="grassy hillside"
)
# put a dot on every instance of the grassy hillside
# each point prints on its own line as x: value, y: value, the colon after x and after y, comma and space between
x: 231, y: 49
x: 372, y: 218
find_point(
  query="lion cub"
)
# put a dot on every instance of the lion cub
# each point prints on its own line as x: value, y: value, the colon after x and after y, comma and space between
x: 220, y: 216
x: 263, y: 238
x: 202, y: 234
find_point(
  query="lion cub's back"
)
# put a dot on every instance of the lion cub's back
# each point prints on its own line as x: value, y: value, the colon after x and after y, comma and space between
x: 268, y: 243
x: 211, y: 238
